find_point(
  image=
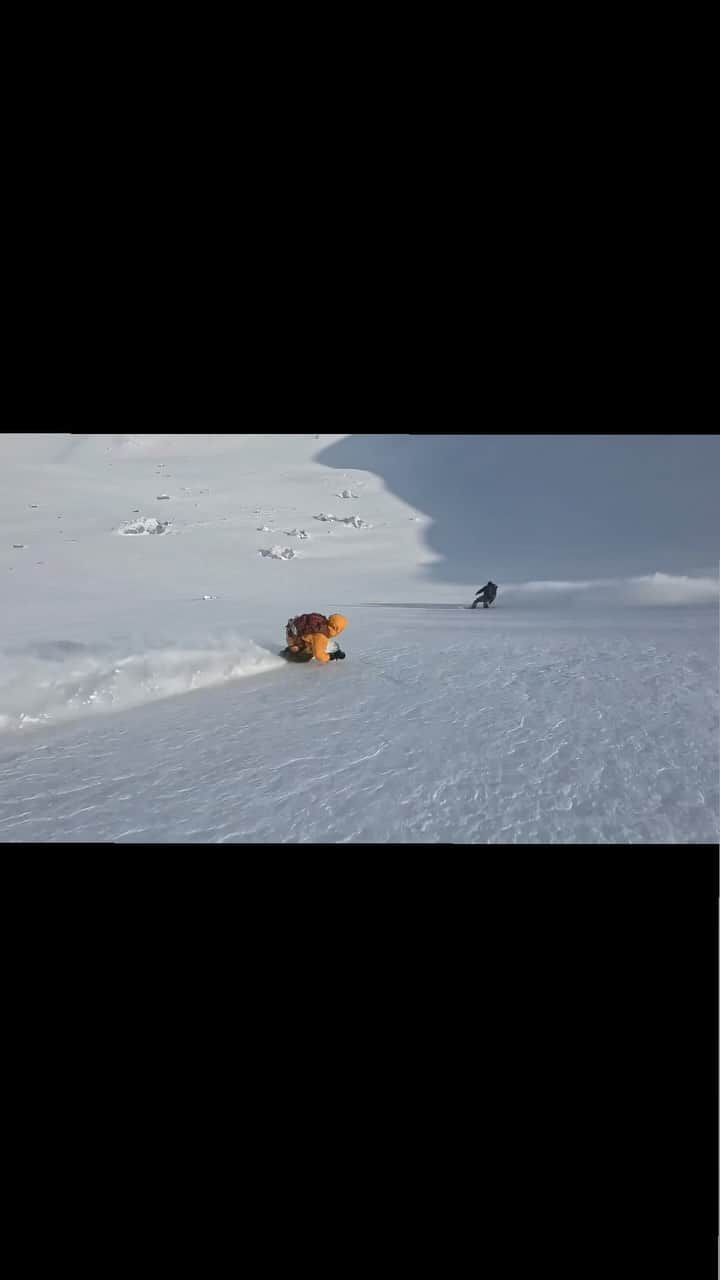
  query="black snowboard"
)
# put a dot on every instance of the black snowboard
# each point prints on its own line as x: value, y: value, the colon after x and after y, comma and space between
x: 303, y: 656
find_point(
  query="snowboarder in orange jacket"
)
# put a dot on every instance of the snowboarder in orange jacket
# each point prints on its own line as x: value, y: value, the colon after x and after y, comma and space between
x: 307, y: 637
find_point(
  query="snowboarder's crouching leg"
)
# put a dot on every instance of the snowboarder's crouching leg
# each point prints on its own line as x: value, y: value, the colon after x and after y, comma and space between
x: 323, y: 647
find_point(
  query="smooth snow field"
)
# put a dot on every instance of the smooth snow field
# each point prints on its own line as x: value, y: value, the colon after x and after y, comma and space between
x: 142, y: 697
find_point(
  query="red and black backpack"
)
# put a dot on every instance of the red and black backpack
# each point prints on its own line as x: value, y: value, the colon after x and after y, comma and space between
x: 305, y: 624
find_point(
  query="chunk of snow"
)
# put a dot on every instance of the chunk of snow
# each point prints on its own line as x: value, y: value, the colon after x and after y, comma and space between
x: 279, y: 553
x: 146, y: 525
x: 356, y: 522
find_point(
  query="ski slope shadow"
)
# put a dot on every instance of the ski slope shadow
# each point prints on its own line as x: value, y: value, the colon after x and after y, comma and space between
x: 520, y: 507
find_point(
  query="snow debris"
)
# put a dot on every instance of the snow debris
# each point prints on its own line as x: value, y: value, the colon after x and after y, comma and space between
x: 146, y: 525
x: 355, y: 521
x: 279, y: 553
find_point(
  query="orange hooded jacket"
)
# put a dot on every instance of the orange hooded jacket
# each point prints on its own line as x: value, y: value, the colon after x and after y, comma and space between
x: 317, y: 642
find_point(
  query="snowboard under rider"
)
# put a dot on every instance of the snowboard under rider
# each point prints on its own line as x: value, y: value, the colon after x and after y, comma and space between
x: 307, y: 637
x: 487, y: 594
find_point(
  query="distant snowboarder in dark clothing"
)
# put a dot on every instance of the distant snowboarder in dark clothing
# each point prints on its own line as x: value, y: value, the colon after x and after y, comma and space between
x: 487, y: 594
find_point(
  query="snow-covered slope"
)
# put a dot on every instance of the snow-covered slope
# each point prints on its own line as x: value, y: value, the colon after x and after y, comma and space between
x: 138, y: 567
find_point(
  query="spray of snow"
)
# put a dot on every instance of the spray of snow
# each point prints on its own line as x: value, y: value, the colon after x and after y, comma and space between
x: 650, y: 589
x: 65, y: 680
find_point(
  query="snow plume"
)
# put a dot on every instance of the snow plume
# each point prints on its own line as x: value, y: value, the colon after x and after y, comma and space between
x: 42, y: 684
x: 650, y: 589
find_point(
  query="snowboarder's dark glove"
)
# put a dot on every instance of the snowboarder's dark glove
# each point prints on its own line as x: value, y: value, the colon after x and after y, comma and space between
x: 337, y: 654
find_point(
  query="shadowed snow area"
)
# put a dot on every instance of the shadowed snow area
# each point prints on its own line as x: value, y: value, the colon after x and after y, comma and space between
x: 549, y: 506
x: 142, y: 696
